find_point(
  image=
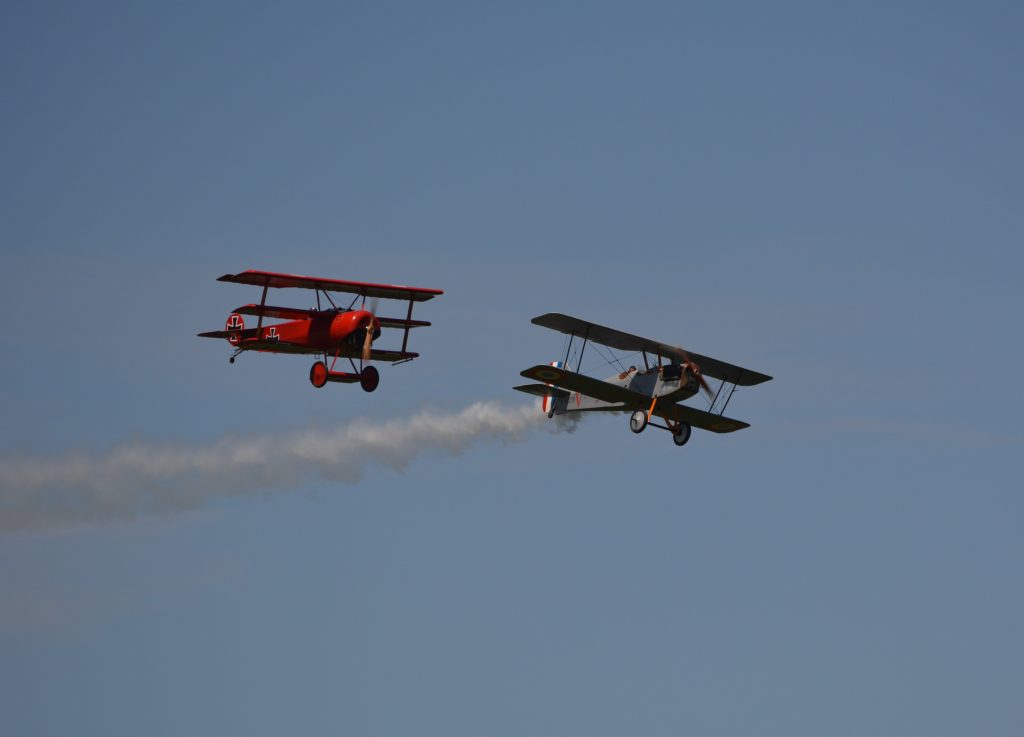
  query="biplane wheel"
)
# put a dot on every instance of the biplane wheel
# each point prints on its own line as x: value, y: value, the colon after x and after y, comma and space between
x: 318, y: 374
x: 681, y: 434
x: 638, y: 421
x: 369, y: 379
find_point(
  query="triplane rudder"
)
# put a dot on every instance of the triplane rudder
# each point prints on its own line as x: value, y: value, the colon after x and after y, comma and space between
x: 669, y: 375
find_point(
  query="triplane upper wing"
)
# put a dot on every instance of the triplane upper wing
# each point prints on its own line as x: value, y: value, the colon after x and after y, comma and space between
x: 291, y: 281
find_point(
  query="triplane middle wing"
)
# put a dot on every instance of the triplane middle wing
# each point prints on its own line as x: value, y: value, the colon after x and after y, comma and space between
x: 670, y: 375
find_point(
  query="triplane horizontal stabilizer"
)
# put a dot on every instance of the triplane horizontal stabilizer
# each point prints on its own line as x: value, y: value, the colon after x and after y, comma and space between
x: 338, y: 331
x: 669, y: 376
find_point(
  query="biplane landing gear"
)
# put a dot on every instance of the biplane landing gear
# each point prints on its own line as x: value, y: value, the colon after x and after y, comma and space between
x: 681, y: 434
x: 318, y: 374
x: 231, y: 360
x: 638, y: 421
x: 369, y: 379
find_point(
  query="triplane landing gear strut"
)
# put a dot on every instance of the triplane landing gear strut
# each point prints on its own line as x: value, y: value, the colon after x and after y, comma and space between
x: 368, y: 378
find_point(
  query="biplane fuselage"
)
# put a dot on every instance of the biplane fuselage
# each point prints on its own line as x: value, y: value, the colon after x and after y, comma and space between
x: 667, y: 383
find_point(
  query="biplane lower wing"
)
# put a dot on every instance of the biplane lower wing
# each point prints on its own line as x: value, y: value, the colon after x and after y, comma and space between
x: 542, y: 390
x: 626, y: 342
x: 630, y: 400
x: 274, y: 280
x: 698, y: 418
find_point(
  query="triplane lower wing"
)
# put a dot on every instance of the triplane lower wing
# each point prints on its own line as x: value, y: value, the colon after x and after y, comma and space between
x: 670, y: 374
x: 334, y: 330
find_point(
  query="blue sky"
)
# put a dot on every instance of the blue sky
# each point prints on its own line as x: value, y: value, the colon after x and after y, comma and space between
x: 828, y: 193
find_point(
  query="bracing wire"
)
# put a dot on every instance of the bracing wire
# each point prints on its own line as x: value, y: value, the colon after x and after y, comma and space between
x: 612, y: 359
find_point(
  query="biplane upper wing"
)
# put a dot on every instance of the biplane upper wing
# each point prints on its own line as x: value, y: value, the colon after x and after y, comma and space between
x: 627, y: 342
x: 287, y: 281
x: 628, y: 399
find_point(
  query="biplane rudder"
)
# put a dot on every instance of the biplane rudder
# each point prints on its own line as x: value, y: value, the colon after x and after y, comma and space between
x: 552, y: 404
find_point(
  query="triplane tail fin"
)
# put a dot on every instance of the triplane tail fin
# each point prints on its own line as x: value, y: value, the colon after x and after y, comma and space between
x: 234, y: 325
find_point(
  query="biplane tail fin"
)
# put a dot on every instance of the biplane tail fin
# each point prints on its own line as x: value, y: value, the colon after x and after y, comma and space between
x: 553, y: 401
x: 555, y: 404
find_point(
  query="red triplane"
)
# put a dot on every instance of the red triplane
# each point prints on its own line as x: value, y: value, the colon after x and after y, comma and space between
x: 344, y: 332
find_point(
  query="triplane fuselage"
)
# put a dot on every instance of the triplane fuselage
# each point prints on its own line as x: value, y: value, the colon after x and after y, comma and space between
x: 670, y: 375
x: 334, y: 332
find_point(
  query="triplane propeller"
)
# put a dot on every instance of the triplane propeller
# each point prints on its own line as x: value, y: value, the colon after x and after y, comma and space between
x: 670, y: 374
x: 335, y: 332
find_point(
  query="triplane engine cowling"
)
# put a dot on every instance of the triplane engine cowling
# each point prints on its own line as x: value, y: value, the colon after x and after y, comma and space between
x: 350, y: 326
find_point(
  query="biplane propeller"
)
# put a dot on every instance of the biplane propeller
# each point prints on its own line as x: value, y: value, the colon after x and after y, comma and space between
x: 334, y: 332
x: 670, y: 375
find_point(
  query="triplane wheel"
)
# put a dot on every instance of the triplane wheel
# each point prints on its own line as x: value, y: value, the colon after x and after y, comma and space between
x: 638, y: 421
x: 318, y: 374
x: 369, y: 379
x: 681, y: 434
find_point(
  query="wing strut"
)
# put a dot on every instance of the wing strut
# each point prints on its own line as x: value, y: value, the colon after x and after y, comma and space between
x: 263, y: 302
x: 583, y: 348
x: 408, y: 318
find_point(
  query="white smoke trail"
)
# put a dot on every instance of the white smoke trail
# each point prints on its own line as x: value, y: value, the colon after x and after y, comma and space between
x: 148, y: 478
